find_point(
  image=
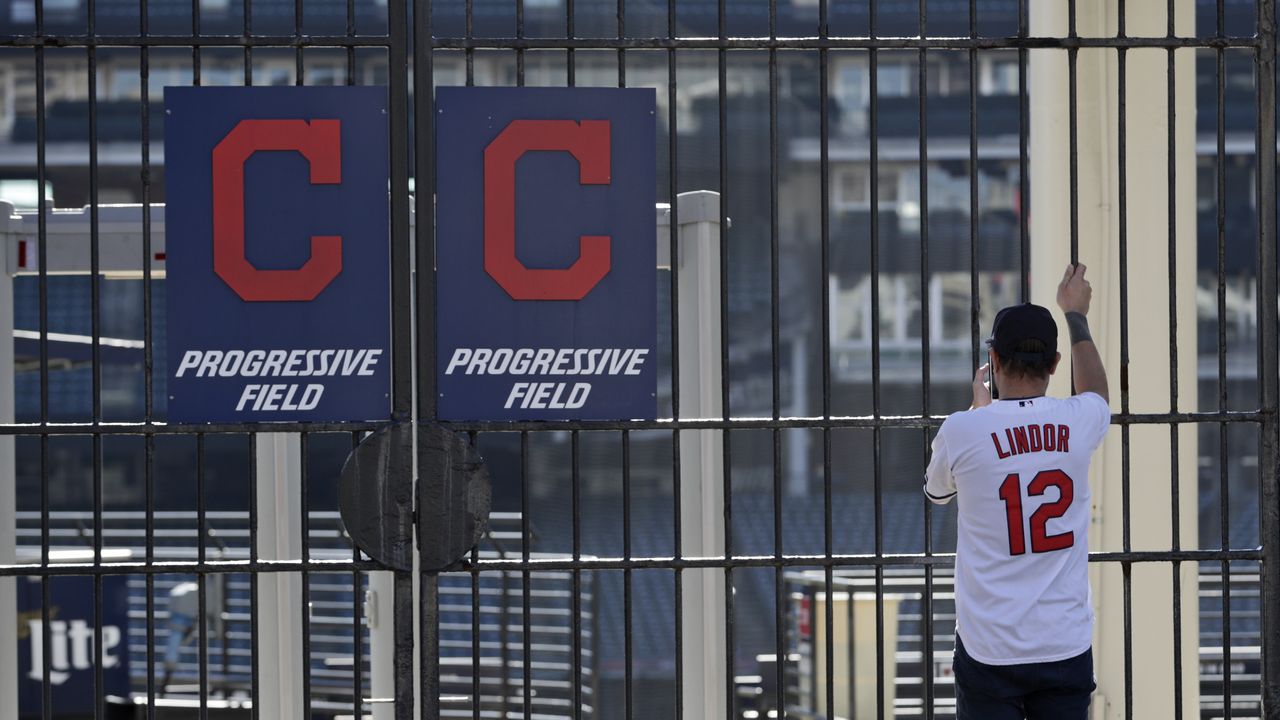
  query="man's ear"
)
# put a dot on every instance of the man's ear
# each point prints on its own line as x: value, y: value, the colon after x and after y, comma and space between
x: 1057, y: 358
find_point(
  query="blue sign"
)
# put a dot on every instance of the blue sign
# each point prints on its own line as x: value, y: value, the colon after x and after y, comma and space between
x: 69, y: 652
x: 276, y: 229
x: 546, y: 254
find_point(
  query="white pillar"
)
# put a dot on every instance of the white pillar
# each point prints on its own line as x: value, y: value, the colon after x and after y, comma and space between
x: 701, y: 452
x: 280, y: 602
x: 382, y: 640
x: 8, y: 490
x: 1147, y: 284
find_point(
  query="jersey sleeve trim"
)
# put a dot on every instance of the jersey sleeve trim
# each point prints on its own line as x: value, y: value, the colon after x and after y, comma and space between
x: 939, y: 499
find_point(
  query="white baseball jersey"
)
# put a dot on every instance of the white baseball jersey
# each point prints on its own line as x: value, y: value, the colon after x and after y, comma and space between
x: 1020, y: 471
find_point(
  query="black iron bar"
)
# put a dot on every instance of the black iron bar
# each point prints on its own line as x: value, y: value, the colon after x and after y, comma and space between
x: 468, y: 13
x: 874, y: 190
x: 202, y: 580
x: 1268, y: 363
x: 1175, y: 502
x: 402, y: 658
x: 148, y: 392
x: 304, y: 499
x: 1125, y: 446
x: 255, y: 670
x: 824, y: 201
x: 575, y: 501
x: 627, y: 620
x: 663, y: 562
x: 975, y: 305
x: 42, y: 249
x: 351, y: 62
x: 357, y: 624
x: 1224, y: 496
x: 779, y: 585
x: 726, y: 438
x: 1024, y: 164
x: 926, y: 609
x: 673, y: 244
x: 95, y: 365
x: 526, y: 540
x: 638, y: 43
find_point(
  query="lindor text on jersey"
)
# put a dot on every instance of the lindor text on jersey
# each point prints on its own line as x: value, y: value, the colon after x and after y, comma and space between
x: 543, y: 362
x: 1022, y: 439
x: 276, y: 363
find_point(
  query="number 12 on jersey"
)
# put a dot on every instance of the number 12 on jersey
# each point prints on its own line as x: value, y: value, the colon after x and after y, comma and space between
x: 1041, y: 540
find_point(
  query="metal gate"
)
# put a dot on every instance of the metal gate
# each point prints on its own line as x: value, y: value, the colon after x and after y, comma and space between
x: 849, y: 317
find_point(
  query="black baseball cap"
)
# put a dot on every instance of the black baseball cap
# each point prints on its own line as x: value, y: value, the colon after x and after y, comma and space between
x: 1023, y: 322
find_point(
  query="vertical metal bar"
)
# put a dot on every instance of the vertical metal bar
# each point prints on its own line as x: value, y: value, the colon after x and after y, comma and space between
x: 628, y: 667
x: 476, y: 696
x: 622, y: 34
x: 42, y: 248
x: 299, y: 74
x: 468, y: 12
x: 255, y: 690
x: 357, y: 625
x: 519, y: 36
x: 575, y: 479
x: 351, y: 64
x: 1175, y: 520
x: 975, y: 304
x: 1073, y: 150
x: 874, y: 154
x: 926, y: 609
x: 627, y: 622
x: 195, y: 45
x: 674, y: 230
x: 1224, y: 501
x: 429, y: 609
x: 570, y: 62
x: 202, y: 531
x: 402, y: 330
x: 1268, y: 361
x: 402, y: 375
x: 726, y: 465
x: 304, y: 467
x: 824, y: 201
x: 526, y: 539
x: 1024, y: 165
x: 148, y: 399
x: 1122, y: 175
x: 779, y: 601
x: 95, y: 324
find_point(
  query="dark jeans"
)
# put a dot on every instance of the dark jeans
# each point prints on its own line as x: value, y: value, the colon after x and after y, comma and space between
x: 1036, y: 691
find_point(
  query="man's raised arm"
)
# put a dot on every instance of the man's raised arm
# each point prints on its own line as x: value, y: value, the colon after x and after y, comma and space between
x: 1074, y: 294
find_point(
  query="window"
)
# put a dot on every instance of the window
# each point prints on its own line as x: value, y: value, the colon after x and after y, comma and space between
x: 124, y: 84
x: 6, y: 101
x: 999, y: 75
x: 853, y: 188
x: 894, y: 79
x: 24, y: 11
x: 325, y: 75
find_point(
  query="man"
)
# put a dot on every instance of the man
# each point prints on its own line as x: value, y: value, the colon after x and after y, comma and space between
x: 1019, y: 468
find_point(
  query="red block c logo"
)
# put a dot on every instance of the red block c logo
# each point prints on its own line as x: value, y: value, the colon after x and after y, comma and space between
x: 588, y: 142
x: 320, y: 142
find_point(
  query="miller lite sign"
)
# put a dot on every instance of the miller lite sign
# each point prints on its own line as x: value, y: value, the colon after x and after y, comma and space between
x: 546, y: 254
x: 66, y: 648
x: 278, y: 279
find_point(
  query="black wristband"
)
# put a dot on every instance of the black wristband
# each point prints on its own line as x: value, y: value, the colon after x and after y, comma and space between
x: 1078, y: 327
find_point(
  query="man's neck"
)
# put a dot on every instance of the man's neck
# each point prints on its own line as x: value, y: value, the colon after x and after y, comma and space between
x: 1011, y: 390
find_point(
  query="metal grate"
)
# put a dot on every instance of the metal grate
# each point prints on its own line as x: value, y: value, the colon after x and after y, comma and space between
x: 483, y: 648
